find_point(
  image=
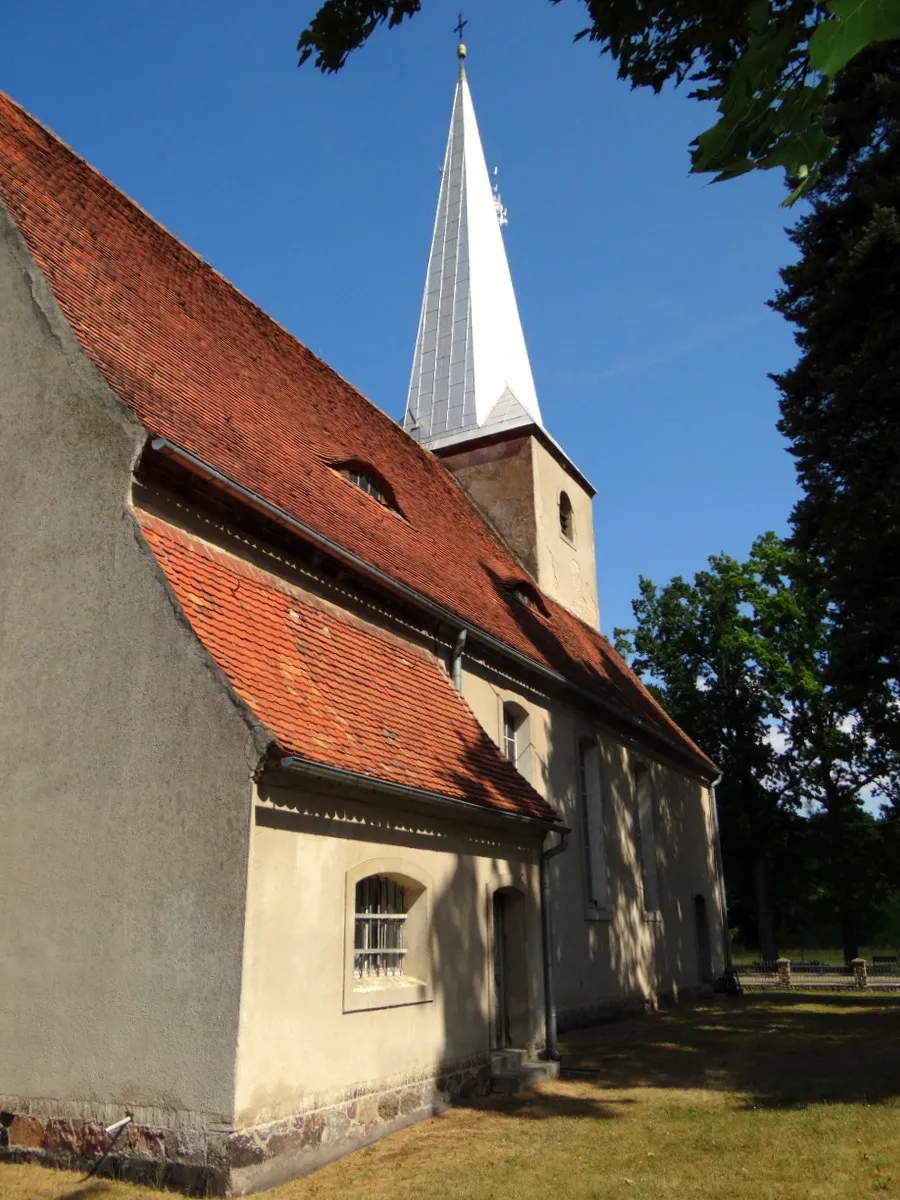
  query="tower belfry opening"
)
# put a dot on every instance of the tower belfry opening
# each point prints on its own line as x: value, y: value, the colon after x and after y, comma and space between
x: 472, y: 399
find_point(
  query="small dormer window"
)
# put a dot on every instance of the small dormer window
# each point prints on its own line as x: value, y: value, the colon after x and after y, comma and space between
x: 364, y: 482
x: 368, y: 480
x: 566, y: 519
x: 527, y: 594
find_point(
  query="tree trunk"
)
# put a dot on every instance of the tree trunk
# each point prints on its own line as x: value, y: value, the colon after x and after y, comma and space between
x: 765, y: 924
x: 850, y: 934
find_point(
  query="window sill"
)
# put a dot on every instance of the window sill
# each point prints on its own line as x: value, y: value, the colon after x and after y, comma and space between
x: 362, y: 997
x: 593, y: 912
x: 654, y: 917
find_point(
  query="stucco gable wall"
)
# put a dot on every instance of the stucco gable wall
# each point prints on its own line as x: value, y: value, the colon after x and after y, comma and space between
x: 124, y: 764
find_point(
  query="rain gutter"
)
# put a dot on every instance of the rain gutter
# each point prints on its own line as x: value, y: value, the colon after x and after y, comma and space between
x: 340, y: 775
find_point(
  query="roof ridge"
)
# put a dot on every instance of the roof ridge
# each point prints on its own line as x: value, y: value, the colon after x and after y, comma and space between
x: 203, y: 262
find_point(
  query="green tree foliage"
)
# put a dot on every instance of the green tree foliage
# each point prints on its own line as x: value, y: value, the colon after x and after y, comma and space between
x: 698, y: 642
x: 830, y: 758
x: 741, y: 656
x: 840, y: 404
x: 767, y: 64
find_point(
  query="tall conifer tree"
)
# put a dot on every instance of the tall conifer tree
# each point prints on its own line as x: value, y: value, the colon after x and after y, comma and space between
x: 840, y: 404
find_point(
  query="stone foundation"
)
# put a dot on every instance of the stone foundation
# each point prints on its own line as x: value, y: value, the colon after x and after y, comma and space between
x: 221, y: 1162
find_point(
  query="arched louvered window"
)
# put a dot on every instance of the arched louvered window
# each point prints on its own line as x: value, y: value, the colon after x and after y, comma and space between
x: 566, y: 518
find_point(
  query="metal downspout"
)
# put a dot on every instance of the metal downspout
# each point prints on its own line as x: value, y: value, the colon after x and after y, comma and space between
x: 552, y: 1051
x: 456, y: 662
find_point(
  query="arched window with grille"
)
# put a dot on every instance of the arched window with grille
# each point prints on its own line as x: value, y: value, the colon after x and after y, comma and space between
x: 388, y: 935
x: 379, y: 917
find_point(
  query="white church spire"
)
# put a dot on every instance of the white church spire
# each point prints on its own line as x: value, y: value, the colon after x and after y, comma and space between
x: 470, y: 373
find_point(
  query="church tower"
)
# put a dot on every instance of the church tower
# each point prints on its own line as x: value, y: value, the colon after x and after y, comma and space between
x: 472, y: 399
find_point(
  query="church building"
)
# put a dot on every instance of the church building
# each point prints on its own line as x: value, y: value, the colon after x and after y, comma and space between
x: 324, y: 802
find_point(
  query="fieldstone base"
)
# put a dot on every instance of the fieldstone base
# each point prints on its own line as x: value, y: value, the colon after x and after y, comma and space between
x: 202, y: 1162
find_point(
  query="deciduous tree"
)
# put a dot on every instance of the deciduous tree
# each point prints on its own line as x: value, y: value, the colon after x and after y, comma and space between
x: 742, y: 657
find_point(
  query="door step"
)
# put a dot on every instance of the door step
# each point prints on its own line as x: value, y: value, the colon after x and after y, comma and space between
x: 513, y: 1071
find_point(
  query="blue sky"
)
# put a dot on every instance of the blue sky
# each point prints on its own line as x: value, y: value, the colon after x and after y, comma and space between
x: 642, y: 290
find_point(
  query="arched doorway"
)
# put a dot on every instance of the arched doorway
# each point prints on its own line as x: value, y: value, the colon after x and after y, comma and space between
x: 704, y: 952
x: 509, y: 1025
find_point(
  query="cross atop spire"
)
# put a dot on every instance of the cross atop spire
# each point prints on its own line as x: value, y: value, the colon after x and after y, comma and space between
x: 461, y: 48
x: 471, y: 373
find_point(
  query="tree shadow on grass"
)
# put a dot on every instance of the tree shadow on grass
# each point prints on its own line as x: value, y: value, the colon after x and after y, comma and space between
x: 544, y: 1105
x: 773, y: 1051
x: 89, y: 1190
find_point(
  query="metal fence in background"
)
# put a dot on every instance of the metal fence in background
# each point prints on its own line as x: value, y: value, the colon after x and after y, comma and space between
x: 788, y: 974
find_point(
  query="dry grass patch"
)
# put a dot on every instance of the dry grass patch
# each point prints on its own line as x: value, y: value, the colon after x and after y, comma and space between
x: 765, y: 1097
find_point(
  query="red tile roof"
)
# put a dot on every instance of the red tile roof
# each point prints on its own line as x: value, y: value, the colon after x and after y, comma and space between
x: 203, y: 366
x: 333, y: 690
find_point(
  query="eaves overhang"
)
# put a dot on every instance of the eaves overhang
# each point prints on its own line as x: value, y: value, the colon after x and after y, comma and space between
x: 449, y: 806
x: 475, y: 438
x: 706, y: 769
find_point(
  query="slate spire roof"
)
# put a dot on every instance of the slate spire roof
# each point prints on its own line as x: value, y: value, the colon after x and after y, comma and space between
x: 471, y: 373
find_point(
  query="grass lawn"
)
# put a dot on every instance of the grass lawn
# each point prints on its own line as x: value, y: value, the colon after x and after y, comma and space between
x: 755, y: 1098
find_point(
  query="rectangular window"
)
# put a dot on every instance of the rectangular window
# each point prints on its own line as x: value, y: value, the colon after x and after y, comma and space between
x: 644, y: 788
x: 592, y: 824
x: 378, y: 949
x: 510, y: 731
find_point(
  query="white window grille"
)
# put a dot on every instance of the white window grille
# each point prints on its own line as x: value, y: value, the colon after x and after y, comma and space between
x: 378, y: 949
x: 511, y: 724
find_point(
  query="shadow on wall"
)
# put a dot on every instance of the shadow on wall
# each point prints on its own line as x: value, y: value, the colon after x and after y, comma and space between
x: 461, y: 952
x: 637, y: 954
x: 605, y: 962
x: 459, y: 961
